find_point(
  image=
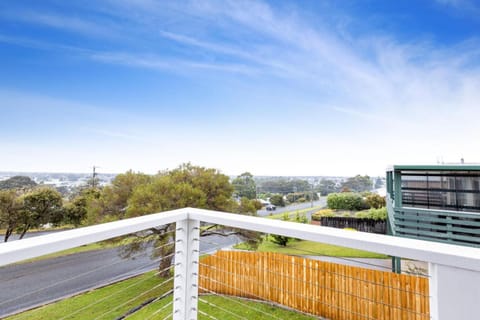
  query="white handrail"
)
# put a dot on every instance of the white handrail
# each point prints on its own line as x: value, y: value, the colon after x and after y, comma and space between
x: 16, y: 251
x: 440, y: 253
x: 452, y: 269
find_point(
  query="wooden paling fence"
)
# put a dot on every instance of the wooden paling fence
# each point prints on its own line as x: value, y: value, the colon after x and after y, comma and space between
x: 330, y: 290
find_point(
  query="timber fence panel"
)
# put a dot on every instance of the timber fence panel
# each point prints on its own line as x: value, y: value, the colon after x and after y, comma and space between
x: 330, y: 290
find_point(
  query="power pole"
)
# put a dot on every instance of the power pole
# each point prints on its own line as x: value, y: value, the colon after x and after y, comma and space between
x: 93, y: 177
x: 311, y: 197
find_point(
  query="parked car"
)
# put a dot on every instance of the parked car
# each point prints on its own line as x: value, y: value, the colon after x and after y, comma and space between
x: 271, y: 207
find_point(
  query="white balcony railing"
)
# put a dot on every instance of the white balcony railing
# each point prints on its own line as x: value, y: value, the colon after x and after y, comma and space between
x: 454, y: 272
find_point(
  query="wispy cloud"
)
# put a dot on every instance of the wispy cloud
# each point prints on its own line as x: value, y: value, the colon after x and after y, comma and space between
x: 112, y: 134
x: 155, y: 62
x: 470, y: 8
x: 417, y: 92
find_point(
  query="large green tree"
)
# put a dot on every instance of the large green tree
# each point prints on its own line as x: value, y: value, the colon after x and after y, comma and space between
x: 10, y: 210
x: 277, y: 200
x: 283, y: 186
x: 18, y: 182
x: 75, y: 211
x: 115, y: 196
x: 327, y: 186
x: 185, y: 186
x: 358, y: 183
x: 245, y: 186
x: 40, y: 206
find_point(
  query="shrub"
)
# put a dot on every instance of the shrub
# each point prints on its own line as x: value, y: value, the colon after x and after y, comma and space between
x: 301, y: 196
x: 375, y: 214
x: 375, y: 201
x: 277, y: 200
x: 346, y: 201
x: 301, y: 218
x: 278, y: 239
x: 323, y: 213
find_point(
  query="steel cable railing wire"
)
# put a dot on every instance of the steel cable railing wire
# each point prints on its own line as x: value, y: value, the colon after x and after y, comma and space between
x: 342, y: 275
x: 297, y: 294
x: 150, y: 290
x: 307, y: 297
x: 278, y: 289
x: 241, y: 303
x: 168, y: 317
x: 356, y: 261
x: 134, y: 298
x: 222, y: 309
x: 78, y: 276
x: 160, y: 310
x: 352, y: 261
x: 118, y: 291
x: 203, y: 313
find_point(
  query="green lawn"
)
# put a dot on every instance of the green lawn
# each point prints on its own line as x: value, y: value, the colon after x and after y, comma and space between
x: 88, y: 247
x: 104, y: 303
x: 115, y: 300
x: 224, y: 308
x: 85, y: 248
x: 303, y: 247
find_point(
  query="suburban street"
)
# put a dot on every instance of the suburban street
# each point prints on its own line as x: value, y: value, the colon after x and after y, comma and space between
x: 31, y: 284
x: 297, y: 206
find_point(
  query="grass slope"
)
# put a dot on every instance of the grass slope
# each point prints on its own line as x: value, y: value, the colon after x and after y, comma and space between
x: 116, y: 300
x: 303, y: 247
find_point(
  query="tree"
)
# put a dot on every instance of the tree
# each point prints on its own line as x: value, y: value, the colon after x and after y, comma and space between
x: 302, y: 196
x: 186, y: 186
x: 375, y: 201
x: 358, y: 183
x: 40, y: 206
x: 245, y: 186
x: 75, y: 211
x: 117, y: 194
x: 9, y: 212
x: 18, y: 182
x: 283, y: 186
x: 378, y: 183
x: 327, y: 186
x: 277, y: 200
x: 278, y: 239
x: 346, y: 201
x: 248, y: 206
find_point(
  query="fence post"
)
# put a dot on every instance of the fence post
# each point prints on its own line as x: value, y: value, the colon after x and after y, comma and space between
x: 454, y: 293
x: 185, y: 294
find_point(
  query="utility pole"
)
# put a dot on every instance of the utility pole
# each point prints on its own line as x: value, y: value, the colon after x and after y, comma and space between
x: 93, y: 177
x: 311, y: 197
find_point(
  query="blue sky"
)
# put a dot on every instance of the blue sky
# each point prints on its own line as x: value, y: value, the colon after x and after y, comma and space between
x: 270, y: 87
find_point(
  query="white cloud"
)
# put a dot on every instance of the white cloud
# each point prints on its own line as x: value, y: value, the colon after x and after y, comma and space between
x: 396, y: 101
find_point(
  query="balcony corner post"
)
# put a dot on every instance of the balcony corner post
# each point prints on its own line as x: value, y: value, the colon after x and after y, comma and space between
x: 454, y: 292
x: 185, y: 287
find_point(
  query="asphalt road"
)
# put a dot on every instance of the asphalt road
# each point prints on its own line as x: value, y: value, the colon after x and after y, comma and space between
x: 297, y: 206
x: 24, y: 286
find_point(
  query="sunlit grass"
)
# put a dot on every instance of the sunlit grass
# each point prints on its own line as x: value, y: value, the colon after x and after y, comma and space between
x: 118, y: 299
x: 304, y: 247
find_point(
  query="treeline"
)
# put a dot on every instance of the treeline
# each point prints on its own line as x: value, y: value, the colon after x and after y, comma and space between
x: 129, y: 195
x: 283, y: 186
x: 23, y: 209
x: 358, y: 183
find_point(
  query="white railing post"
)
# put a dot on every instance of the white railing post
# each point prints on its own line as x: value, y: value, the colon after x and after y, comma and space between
x: 454, y: 293
x: 187, y: 248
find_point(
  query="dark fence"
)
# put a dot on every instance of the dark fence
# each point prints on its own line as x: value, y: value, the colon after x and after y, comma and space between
x: 365, y: 225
